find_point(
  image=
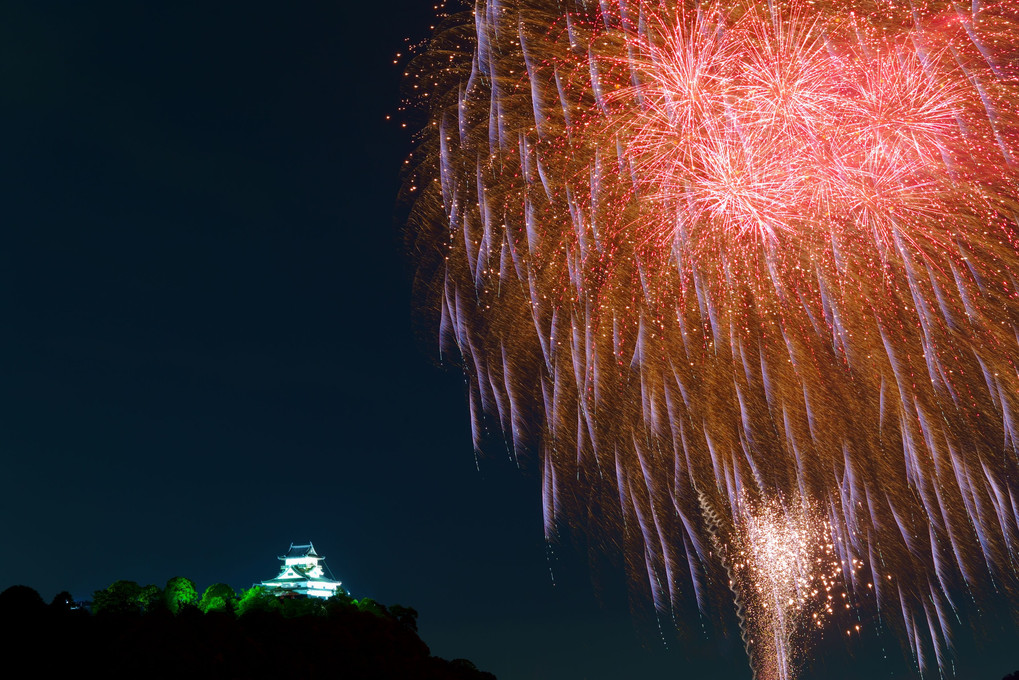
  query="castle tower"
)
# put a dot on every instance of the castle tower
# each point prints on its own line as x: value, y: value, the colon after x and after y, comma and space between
x: 302, y: 573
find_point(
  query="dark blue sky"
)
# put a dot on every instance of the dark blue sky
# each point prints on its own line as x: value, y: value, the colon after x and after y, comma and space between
x: 207, y: 351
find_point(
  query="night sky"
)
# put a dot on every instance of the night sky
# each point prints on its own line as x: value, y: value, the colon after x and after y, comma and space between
x: 208, y: 345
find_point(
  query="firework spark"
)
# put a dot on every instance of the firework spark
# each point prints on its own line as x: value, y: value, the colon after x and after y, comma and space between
x: 702, y: 255
x: 784, y: 573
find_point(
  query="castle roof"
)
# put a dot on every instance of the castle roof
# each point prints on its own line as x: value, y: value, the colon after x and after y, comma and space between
x: 304, y: 550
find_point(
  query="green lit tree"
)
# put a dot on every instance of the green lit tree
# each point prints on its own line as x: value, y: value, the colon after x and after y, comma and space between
x: 180, y: 593
x: 120, y: 598
x: 219, y: 597
x: 151, y: 599
x: 257, y: 599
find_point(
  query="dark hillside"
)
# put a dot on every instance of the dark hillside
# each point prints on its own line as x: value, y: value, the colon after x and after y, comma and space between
x: 300, y: 638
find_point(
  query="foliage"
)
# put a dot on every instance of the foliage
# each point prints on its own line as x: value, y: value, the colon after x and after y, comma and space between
x: 296, y: 606
x: 120, y: 598
x: 219, y: 597
x: 180, y: 593
x: 339, y: 603
x: 257, y: 599
x: 408, y: 616
x: 151, y: 599
x: 269, y: 636
x: 20, y: 601
x: 261, y: 634
x: 366, y: 604
x: 63, y: 602
x: 342, y: 597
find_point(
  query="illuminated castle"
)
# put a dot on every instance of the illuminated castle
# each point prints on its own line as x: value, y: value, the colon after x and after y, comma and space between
x: 303, y: 573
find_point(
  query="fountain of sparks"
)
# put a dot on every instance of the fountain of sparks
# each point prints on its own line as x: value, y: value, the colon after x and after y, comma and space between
x: 785, y: 570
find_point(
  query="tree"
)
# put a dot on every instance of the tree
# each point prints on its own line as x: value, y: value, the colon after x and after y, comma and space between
x: 63, y: 602
x: 366, y: 604
x: 297, y: 606
x: 219, y: 597
x: 20, y: 602
x: 340, y: 602
x: 180, y: 593
x: 407, y: 616
x: 121, y: 597
x: 151, y: 599
x: 257, y: 599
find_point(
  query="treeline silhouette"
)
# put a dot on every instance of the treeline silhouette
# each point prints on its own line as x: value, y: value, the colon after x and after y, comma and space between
x: 129, y: 630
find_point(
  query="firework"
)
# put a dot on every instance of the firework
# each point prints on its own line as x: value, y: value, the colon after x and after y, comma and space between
x: 784, y: 574
x: 696, y: 258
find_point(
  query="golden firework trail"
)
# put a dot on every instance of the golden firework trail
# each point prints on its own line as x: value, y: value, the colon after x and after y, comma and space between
x: 757, y: 257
